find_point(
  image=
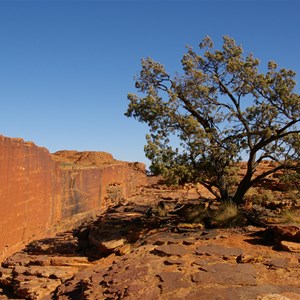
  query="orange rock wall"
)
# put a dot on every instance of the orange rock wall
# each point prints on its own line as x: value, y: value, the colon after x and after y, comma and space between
x: 39, y: 197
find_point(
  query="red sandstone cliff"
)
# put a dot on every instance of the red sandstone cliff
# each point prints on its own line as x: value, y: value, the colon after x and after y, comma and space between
x: 41, y: 193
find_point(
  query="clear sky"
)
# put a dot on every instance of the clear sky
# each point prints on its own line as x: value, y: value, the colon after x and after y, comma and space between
x: 66, y: 66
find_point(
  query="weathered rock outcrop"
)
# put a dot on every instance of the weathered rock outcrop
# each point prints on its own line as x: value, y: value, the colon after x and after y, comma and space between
x: 41, y: 193
x: 132, y: 253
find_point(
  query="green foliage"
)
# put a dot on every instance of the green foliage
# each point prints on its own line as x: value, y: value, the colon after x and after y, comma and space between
x: 221, y: 109
x: 291, y: 178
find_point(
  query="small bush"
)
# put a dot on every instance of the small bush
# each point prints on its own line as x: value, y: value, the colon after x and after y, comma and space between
x: 160, y: 210
x: 228, y: 216
x: 114, y: 194
x: 251, y: 195
x: 262, y: 196
x: 251, y: 192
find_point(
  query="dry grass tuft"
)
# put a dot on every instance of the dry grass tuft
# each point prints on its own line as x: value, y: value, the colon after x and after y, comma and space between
x: 291, y: 216
x: 228, y: 216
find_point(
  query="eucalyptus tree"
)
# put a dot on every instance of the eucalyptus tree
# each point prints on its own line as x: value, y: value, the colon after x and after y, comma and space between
x: 219, y: 110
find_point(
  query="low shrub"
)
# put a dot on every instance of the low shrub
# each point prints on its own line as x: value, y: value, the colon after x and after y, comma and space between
x: 228, y: 215
x: 114, y: 194
x: 262, y: 197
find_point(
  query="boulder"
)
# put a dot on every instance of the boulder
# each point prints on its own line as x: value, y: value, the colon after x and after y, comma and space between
x: 290, y: 246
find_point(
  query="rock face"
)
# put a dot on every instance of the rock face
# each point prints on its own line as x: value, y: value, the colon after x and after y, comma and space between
x: 41, y: 194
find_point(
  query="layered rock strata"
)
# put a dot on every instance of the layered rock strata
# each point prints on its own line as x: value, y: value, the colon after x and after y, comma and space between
x: 41, y: 194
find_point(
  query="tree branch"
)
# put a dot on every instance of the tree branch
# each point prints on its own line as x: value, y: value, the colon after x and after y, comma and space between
x: 190, y: 108
x: 238, y: 110
x: 272, y: 171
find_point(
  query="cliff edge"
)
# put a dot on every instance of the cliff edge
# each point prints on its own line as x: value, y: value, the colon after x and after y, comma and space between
x: 43, y: 193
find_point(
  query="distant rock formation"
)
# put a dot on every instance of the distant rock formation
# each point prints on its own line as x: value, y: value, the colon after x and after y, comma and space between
x: 41, y: 194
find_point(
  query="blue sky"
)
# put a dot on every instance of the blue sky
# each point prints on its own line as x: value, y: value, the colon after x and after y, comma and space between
x: 66, y: 66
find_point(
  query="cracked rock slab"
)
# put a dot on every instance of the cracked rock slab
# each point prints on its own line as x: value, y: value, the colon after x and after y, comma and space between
x: 217, y: 250
x: 172, y: 249
x: 172, y: 281
x: 224, y: 273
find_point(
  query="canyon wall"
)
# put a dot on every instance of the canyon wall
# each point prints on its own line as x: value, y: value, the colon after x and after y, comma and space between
x: 41, y: 194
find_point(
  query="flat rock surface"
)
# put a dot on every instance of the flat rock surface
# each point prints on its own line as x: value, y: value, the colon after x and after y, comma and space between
x: 204, y: 269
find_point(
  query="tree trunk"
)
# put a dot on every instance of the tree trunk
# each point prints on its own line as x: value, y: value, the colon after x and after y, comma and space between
x: 223, y: 189
x: 246, y: 182
x: 224, y: 195
x: 241, y: 190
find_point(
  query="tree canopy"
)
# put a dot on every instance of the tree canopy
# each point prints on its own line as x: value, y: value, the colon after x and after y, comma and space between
x: 220, y: 110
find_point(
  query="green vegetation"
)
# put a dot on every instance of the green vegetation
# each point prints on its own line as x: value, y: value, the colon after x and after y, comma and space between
x: 221, y: 110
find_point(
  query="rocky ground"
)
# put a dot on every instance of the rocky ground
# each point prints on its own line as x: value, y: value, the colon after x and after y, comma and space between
x: 148, y: 248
